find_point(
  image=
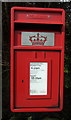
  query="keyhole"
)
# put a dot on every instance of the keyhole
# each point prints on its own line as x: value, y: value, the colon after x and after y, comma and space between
x: 22, y: 81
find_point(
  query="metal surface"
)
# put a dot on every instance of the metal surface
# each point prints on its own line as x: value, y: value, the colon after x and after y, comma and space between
x: 22, y: 55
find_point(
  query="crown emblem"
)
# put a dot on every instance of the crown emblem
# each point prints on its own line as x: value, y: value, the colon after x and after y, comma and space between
x: 38, y: 40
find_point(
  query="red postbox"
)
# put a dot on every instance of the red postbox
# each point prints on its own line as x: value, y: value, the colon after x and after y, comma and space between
x: 37, y: 59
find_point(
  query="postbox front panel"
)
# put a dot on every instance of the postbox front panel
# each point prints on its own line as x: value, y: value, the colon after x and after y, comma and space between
x: 37, y: 59
x: 37, y: 78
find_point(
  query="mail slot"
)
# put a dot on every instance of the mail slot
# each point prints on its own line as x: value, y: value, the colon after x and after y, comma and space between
x: 37, y: 59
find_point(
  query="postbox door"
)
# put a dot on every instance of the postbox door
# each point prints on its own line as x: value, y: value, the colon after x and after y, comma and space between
x: 42, y: 90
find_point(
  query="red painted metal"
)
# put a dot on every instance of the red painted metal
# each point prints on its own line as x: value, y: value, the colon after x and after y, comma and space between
x: 21, y: 56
